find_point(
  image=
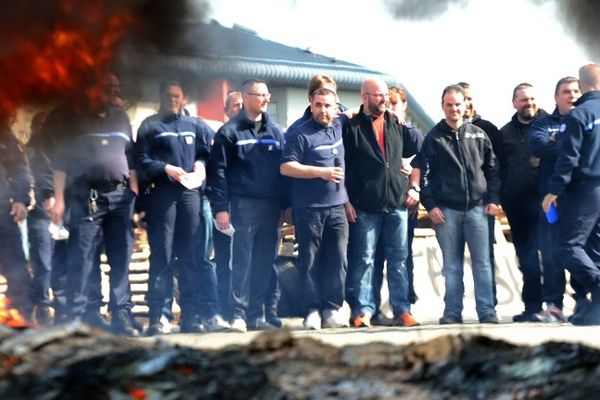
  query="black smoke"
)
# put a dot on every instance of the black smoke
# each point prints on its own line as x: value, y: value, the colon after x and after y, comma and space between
x: 580, y: 18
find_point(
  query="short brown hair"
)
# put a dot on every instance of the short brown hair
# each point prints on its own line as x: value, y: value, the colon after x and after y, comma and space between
x: 318, y: 81
x: 453, y: 88
x: 562, y: 81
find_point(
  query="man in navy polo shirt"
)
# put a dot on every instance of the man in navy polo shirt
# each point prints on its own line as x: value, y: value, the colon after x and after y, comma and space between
x: 94, y: 177
x: 313, y: 157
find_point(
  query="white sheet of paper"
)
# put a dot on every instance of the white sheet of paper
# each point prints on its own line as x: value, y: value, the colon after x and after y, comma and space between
x: 192, y: 180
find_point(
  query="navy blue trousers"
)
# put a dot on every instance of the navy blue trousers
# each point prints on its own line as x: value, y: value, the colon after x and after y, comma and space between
x: 579, y: 231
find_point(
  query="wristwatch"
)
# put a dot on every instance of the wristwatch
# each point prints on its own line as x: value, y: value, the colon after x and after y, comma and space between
x: 416, y: 188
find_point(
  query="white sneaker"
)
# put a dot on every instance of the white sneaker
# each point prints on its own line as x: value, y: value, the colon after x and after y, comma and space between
x: 239, y: 325
x: 165, y: 325
x: 335, y: 319
x: 313, y: 320
x: 216, y: 324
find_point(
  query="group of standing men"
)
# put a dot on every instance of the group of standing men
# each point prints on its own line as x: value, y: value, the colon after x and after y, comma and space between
x: 352, y: 188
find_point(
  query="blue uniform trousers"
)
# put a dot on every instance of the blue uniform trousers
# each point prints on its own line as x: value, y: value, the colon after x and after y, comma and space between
x: 254, y: 247
x: 579, y: 231
x: 112, y: 222
x: 173, y: 216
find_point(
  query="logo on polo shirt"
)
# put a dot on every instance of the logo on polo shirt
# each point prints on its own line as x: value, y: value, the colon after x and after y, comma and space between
x: 563, y: 127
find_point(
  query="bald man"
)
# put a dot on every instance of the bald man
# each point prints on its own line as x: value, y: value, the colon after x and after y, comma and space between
x: 575, y: 190
x: 379, y: 194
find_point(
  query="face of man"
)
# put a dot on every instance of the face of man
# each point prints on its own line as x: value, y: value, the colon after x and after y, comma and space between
x: 256, y: 99
x: 453, y: 105
x: 234, y: 107
x: 323, y: 108
x: 525, y: 104
x: 375, y: 98
x: 469, y: 107
x: 173, y: 99
x: 568, y: 93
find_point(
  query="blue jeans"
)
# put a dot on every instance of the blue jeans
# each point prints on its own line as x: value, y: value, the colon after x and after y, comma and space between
x: 471, y: 227
x: 322, y: 235
x: 364, y: 234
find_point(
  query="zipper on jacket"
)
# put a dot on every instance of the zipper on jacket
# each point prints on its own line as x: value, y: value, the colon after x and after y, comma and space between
x: 464, y: 165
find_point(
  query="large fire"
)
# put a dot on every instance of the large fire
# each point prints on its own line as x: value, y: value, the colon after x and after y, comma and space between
x: 61, y: 55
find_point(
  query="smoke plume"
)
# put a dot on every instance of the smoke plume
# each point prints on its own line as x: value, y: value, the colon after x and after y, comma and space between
x: 579, y: 17
x: 56, y: 49
x: 421, y: 9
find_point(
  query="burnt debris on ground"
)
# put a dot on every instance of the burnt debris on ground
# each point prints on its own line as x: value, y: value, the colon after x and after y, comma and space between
x: 75, y: 362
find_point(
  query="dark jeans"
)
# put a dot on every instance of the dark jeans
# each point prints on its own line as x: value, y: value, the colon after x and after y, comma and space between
x: 13, y: 264
x: 322, y: 235
x: 173, y: 216
x: 41, y: 247
x: 522, y: 214
x: 254, y: 247
x: 113, y: 223
x: 579, y: 232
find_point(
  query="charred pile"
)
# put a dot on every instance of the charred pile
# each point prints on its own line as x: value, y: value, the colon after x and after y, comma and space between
x: 74, y: 362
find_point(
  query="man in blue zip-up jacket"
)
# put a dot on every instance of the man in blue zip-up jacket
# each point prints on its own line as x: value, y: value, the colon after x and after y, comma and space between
x: 543, y: 144
x: 575, y: 190
x: 246, y: 193
x: 170, y: 147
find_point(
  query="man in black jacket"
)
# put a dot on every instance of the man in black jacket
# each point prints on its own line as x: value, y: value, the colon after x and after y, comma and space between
x: 15, y: 184
x: 460, y: 188
x: 375, y: 145
x: 519, y: 195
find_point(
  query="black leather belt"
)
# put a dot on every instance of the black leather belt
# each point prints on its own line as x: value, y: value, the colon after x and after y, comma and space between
x: 110, y: 186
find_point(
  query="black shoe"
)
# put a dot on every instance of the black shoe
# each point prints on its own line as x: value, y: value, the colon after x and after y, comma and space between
x: 449, y: 319
x: 135, y: 323
x: 259, y: 324
x: 43, y: 316
x: 154, y: 328
x: 189, y: 325
x: 95, y: 320
x: 274, y: 320
x: 489, y: 319
x: 121, y: 324
x: 526, y: 316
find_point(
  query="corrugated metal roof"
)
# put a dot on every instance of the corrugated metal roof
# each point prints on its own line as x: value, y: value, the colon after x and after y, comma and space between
x: 212, y: 50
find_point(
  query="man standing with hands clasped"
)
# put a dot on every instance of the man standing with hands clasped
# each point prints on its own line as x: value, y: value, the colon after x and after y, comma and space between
x: 460, y: 189
x: 314, y: 158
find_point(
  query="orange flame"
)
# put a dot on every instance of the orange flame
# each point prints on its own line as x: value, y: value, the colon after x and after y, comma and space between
x: 10, y: 316
x: 62, y: 59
